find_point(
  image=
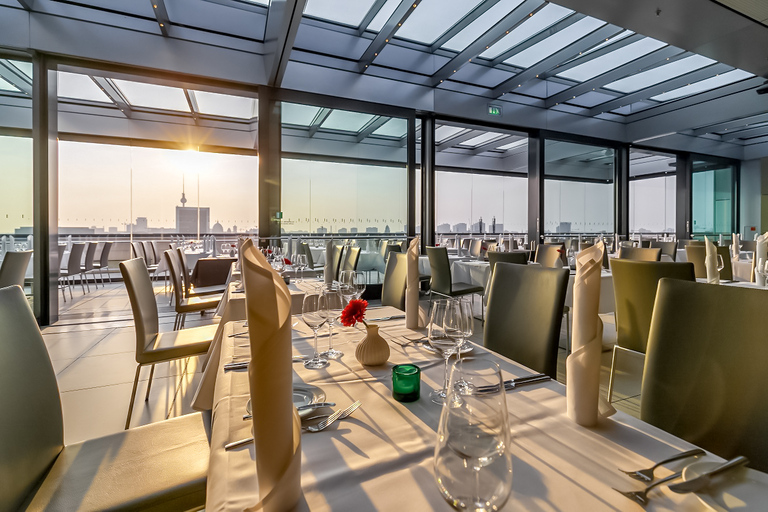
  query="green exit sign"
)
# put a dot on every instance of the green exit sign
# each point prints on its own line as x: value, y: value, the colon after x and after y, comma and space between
x: 494, y: 110
x: 278, y: 215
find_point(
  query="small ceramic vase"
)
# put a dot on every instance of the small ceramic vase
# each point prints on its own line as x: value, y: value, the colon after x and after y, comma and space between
x: 373, y: 350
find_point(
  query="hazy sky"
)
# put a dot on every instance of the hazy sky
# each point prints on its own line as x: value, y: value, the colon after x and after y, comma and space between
x: 16, y: 183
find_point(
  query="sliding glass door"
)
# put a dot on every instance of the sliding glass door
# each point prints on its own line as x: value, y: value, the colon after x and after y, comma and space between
x: 713, y: 197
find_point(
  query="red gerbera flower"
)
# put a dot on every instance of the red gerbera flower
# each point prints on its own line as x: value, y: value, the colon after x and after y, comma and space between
x: 286, y: 261
x: 354, y: 312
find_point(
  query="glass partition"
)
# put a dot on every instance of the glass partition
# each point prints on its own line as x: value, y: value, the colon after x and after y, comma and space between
x: 652, y: 193
x: 712, y: 197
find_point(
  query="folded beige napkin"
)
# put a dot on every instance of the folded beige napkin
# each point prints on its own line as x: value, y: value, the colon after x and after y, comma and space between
x: 414, y: 318
x: 735, y: 246
x: 761, y: 252
x: 328, y: 267
x: 710, y: 262
x: 584, y: 404
x: 276, y: 424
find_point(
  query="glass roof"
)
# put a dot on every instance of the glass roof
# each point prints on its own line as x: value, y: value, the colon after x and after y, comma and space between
x: 23, y: 66
x: 80, y: 87
x: 226, y: 105
x: 153, y: 96
x: 383, y: 15
x: 259, y: 2
x: 443, y: 133
x: 5, y: 86
x: 545, y: 18
x: 611, y: 40
x: 340, y: 11
x: 516, y: 144
x: 612, y: 60
x: 346, y: 121
x: 482, y: 139
x: 704, y: 85
x: 433, y: 18
x: 481, y: 25
x: 298, y: 114
x: 659, y: 74
x: 555, y: 42
x: 395, y: 127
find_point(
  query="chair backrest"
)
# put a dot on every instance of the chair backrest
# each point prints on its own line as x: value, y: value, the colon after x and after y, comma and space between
x: 395, y: 276
x: 639, y: 254
x: 174, y: 266
x: 61, y: 248
x: 31, y: 422
x: 696, y: 242
x: 440, y: 270
x: 585, y: 245
x: 644, y: 243
x: 181, y: 264
x: 704, y: 378
x: 383, y: 248
x: 90, y: 256
x: 394, y: 248
x: 519, y: 258
x: 525, y: 313
x: 138, y: 251
x: 143, y: 305
x: 149, y: 252
x: 351, y: 257
x: 747, y: 245
x: 727, y: 272
x: 696, y: 254
x: 548, y: 254
x: 75, y: 257
x: 476, y: 248
x: 14, y: 268
x: 104, y: 258
x: 668, y: 248
x: 488, y: 246
x: 466, y: 243
x: 336, y: 251
x: 305, y: 250
x: 634, y: 289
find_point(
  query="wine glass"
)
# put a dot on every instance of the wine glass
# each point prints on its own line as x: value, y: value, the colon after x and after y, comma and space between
x: 313, y: 316
x: 759, y: 268
x: 473, y: 460
x: 301, y: 264
x: 720, y: 263
x: 347, y: 284
x: 331, y: 306
x: 468, y: 324
x: 359, y: 284
x: 440, y: 342
x: 454, y: 324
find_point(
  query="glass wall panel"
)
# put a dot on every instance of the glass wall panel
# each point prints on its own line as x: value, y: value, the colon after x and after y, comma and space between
x: 712, y: 198
x: 652, y: 193
x: 578, y: 188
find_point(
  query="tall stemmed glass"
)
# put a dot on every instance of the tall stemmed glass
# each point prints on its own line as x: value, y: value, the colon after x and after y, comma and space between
x: 468, y: 324
x: 347, y: 284
x: 454, y: 324
x: 314, y: 317
x: 302, y: 264
x: 359, y: 284
x: 332, y: 304
x: 440, y: 342
x: 473, y: 461
x: 720, y: 263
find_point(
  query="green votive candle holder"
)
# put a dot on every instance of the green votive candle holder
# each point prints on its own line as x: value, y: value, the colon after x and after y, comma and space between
x: 406, y: 382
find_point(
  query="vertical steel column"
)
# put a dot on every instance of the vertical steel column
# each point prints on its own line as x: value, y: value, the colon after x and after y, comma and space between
x: 621, y: 188
x: 683, y: 180
x: 45, y: 191
x: 535, y: 188
x: 411, y: 166
x: 427, y: 182
x: 270, y: 143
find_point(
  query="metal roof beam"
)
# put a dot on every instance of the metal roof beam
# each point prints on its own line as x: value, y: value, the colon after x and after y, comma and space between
x: 161, y: 15
x: 668, y: 85
x: 113, y: 93
x: 27, y: 4
x: 458, y: 139
x: 654, y: 59
x: 192, y: 102
x: 488, y: 146
x: 386, y: 33
x: 581, y: 59
x: 15, y: 77
x: 728, y: 125
x: 283, y: 19
x: 553, y: 60
x: 745, y: 134
x: 372, y: 12
x: 376, y: 123
x: 319, y: 119
x: 462, y: 24
x: 548, y: 32
x: 497, y: 32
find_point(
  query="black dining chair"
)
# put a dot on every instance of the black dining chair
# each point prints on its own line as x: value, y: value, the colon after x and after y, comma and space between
x: 103, y: 261
x: 73, y: 267
x: 87, y: 265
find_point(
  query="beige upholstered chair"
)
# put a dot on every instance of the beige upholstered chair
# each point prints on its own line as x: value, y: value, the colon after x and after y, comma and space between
x: 667, y: 248
x: 189, y: 289
x: 350, y: 259
x: 73, y: 268
x: 395, y: 275
x: 548, y: 254
x: 182, y: 304
x: 14, y: 268
x: 87, y: 265
x: 153, y: 347
x: 639, y: 254
x: 103, y: 263
x: 161, y: 466
x: 697, y: 254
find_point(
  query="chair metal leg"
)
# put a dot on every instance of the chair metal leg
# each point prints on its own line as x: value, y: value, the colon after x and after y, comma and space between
x: 82, y: 283
x: 109, y: 274
x: 149, y: 383
x: 69, y: 284
x: 610, y: 378
x: 133, y: 397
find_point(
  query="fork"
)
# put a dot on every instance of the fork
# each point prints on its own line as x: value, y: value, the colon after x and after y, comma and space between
x: 646, y: 475
x: 641, y: 497
x: 335, y: 416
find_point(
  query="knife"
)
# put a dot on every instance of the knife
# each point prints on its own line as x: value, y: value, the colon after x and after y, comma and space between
x: 315, y: 405
x: 702, y: 481
x: 384, y: 318
x: 236, y: 366
x: 514, y: 383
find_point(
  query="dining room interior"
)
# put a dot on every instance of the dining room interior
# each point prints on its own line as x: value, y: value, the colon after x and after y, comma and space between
x: 514, y: 249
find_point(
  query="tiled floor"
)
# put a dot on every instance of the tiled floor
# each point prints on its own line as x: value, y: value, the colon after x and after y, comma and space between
x: 92, y: 348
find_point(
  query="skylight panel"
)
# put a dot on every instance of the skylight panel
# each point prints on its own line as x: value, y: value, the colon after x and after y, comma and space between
x: 340, y: 11
x: 482, y: 139
x: 555, y: 42
x: 443, y: 133
x: 383, y: 15
x: 481, y: 25
x: 144, y: 95
x: 23, y: 66
x: 545, y: 18
x: 395, y: 127
x: 704, y: 85
x: 226, y: 105
x: 659, y: 74
x: 79, y: 87
x: 612, y: 60
x: 346, y: 121
x: 611, y: 40
x: 432, y: 18
x: 5, y: 86
x: 513, y: 145
x: 298, y: 114
x: 265, y: 3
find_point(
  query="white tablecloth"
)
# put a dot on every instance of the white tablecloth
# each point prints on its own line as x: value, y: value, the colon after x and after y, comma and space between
x: 381, y: 458
x: 191, y: 257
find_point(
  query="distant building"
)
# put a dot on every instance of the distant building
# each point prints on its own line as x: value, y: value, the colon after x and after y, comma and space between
x: 321, y: 230
x: 370, y: 229
x: 217, y: 228
x: 564, y: 227
x: 461, y: 227
x: 187, y: 220
x: 353, y: 230
x: 386, y: 229
x: 342, y: 230
x: 141, y: 226
x: 443, y: 228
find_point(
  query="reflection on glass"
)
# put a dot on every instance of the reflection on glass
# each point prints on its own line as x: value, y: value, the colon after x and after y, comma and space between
x: 80, y: 87
x: 434, y: 17
x: 163, y: 97
x: 555, y: 42
x: 226, y: 105
x: 712, y: 198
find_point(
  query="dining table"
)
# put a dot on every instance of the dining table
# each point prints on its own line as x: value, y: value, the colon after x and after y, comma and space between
x: 382, y: 456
